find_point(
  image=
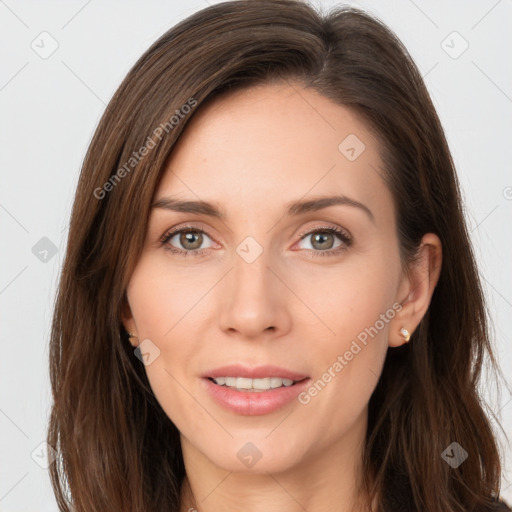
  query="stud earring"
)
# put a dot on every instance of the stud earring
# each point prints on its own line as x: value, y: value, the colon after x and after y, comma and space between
x: 405, y: 334
x: 130, y: 336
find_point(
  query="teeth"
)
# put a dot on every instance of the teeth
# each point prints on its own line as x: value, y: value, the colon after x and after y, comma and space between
x: 261, y: 383
x: 244, y: 384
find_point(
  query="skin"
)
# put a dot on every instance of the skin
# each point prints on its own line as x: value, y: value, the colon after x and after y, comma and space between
x: 251, y: 152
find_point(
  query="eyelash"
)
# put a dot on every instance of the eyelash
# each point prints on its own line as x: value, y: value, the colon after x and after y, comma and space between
x: 342, y: 235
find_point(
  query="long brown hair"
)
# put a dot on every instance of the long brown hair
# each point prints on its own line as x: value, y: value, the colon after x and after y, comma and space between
x: 117, y: 449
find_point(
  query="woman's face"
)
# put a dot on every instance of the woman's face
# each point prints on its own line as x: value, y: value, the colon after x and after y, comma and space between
x: 266, y: 286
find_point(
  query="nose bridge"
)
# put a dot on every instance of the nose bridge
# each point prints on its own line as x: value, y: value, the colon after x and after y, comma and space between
x: 251, y: 274
x: 254, y: 300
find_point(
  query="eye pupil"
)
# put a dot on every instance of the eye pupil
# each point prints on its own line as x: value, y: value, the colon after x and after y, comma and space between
x: 321, y: 237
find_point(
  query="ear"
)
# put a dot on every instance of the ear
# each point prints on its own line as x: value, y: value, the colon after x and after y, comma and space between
x: 416, y: 288
x: 128, y: 321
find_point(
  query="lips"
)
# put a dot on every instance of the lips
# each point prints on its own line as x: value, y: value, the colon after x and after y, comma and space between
x: 247, y: 400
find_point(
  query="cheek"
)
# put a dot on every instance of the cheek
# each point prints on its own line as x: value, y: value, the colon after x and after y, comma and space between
x: 356, y: 304
x: 162, y: 297
x: 348, y: 298
x: 166, y: 307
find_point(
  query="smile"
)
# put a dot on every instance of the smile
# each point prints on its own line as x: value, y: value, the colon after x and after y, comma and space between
x: 255, y: 385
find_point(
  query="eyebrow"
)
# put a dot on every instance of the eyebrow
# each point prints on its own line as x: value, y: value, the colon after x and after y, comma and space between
x: 293, y: 208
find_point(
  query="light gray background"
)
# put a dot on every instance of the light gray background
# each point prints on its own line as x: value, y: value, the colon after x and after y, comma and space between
x: 51, y: 106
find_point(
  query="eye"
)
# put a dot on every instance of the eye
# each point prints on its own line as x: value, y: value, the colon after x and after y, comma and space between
x: 323, y: 241
x: 185, y: 241
x: 188, y: 241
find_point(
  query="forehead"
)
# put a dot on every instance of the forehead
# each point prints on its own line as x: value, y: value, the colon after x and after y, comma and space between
x: 274, y: 143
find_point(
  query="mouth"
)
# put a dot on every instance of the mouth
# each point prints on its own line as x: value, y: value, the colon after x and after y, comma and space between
x: 253, y: 391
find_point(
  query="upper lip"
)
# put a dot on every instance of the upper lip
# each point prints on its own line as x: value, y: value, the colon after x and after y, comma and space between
x: 256, y: 372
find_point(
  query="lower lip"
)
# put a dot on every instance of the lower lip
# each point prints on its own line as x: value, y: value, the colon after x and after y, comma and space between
x: 254, y: 403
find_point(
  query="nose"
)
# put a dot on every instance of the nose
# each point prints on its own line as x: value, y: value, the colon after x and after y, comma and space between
x: 253, y: 300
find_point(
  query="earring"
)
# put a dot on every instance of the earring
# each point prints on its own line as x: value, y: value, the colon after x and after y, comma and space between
x: 405, y: 334
x: 130, y: 336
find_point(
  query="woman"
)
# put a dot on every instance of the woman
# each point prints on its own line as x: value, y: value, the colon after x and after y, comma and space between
x: 269, y: 298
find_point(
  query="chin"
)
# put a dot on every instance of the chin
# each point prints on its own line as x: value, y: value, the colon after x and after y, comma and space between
x: 274, y: 465
x: 254, y: 457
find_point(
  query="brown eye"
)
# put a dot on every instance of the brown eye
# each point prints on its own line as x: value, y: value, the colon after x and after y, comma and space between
x: 191, y: 239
